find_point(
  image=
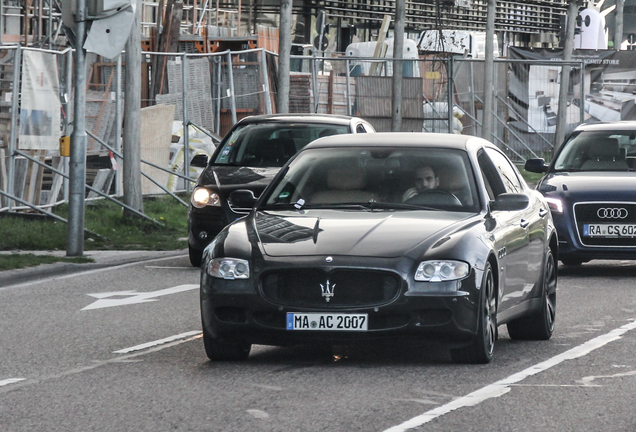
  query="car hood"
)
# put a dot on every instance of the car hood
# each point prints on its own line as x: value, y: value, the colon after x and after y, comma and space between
x: 376, y: 234
x: 590, y: 185
x: 233, y: 177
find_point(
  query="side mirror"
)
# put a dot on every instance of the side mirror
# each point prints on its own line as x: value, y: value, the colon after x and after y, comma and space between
x: 536, y: 165
x: 242, y: 198
x: 199, y: 161
x: 510, y: 201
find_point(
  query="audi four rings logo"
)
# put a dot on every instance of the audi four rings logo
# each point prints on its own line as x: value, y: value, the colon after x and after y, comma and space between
x: 612, y: 213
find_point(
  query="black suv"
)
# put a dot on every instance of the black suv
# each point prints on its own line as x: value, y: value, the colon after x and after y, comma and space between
x: 248, y: 157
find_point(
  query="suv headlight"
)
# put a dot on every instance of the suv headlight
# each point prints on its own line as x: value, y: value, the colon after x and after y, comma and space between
x: 202, y: 197
x: 555, y: 205
x: 441, y: 271
x: 228, y: 268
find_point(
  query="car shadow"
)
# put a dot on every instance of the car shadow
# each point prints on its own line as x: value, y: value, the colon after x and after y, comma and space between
x: 600, y: 268
x: 357, y: 355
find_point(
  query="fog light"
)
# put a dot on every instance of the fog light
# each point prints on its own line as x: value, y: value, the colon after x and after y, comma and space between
x: 203, y: 235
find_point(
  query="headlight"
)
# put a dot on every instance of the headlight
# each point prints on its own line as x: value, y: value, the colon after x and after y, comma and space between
x: 555, y: 205
x: 441, y: 271
x: 229, y: 268
x: 202, y: 197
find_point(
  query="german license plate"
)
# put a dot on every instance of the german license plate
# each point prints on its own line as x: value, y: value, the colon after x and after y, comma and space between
x: 609, y: 230
x: 327, y: 321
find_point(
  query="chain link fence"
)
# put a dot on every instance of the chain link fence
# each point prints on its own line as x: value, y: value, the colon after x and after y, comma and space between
x: 190, y: 100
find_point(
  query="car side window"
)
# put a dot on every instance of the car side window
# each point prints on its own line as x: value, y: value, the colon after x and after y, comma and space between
x: 360, y: 128
x: 506, y: 171
x: 492, y: 180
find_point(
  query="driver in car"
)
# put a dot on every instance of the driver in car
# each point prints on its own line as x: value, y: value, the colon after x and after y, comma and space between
x: 425, y: 179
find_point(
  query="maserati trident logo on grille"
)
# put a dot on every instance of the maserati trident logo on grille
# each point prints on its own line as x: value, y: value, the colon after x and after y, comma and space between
x: 327, y: 290
x: 612, y: 213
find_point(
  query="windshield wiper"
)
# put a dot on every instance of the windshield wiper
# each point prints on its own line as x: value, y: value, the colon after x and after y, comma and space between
x: 371, y: 206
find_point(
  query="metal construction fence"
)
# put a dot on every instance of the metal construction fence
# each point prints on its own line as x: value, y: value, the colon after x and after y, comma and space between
x: 208, y: 93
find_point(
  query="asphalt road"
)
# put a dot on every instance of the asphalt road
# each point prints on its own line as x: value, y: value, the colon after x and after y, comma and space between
x: 119, y: 349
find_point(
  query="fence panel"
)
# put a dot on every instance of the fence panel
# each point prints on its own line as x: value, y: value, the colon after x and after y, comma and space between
x: 212, y: 91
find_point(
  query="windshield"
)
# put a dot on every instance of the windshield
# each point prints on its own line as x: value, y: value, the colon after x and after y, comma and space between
x: 271, y: 144
x: 598, y: 151
x: 377, y: 179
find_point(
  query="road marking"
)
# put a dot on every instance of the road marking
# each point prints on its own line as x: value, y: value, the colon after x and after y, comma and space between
x: 258, y: 414
x: 10, y: 381
x: 87, y: 272
x: 587, y: 381
x: 111, y: 299
x: 502, y: 387
x: 96, y: 364
x: 169, y: 268
x: 157, y: 342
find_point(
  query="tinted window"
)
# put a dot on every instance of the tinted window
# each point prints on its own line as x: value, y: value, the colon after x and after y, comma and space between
x: 378, y: 176
x: 270, y: 145
x: 598, y: 151
x: 506, y: 171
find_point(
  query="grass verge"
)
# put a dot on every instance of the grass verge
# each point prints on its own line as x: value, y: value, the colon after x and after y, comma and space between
x: 104, y: 218
x: 17, y: 261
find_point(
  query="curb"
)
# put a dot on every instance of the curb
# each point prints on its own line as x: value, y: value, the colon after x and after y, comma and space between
x: 102, y: 259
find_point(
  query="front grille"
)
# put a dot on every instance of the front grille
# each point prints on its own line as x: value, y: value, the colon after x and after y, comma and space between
x: 310, y: 287
x: 605, y: 213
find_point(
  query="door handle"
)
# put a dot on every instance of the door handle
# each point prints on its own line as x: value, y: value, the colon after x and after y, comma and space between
x: 543, y: 212
x: 524, y: 223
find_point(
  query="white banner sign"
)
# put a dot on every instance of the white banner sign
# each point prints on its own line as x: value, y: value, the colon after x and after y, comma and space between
x: 40, y: 109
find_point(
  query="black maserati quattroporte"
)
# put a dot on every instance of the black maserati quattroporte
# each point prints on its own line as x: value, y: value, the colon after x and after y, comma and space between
x: 387, y: 236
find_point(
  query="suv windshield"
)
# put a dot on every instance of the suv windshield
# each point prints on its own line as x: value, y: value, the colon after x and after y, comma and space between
x: 598, y: 151
x: 272, y: 144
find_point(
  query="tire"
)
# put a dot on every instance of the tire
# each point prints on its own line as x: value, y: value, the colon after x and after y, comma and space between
x: 481, y: 349
x: 540, y: 326
x: 195, y: 256
x: 225, y: 351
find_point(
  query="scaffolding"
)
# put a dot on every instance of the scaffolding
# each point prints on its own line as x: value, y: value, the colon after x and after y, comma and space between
x: 536, y: 23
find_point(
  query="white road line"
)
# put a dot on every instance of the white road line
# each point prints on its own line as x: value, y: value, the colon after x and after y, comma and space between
x: 170, y: 268
x: 502, y: 387
x: 157, y: 342
x: 96, y: 364
x: 87, y: 272
x: 10, y: 381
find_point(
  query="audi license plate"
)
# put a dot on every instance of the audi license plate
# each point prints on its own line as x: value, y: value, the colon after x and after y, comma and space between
x: 609, y: 230
x: 327, y: 321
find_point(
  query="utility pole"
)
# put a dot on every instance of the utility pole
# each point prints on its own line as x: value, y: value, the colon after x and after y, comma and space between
x: 618, y: 27
x: 132, y: 119
x: 398, y: 68
x: 559, y: 136
x: 284, y: 53
x: 77, y: 159
x: 489, y: 73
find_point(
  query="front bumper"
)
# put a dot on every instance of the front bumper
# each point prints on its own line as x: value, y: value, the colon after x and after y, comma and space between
x: 237, y: 310
x: 205, y: 223
x: 571, y: 248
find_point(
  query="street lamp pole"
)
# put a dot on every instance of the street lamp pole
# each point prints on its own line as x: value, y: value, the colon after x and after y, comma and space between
x: 489, y: 72
x: 398, y: 69
x: 77, y: 160
x: 284, y: 56
x: 564, y: 85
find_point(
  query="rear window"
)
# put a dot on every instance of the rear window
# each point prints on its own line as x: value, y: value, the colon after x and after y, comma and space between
x: 271, y: 145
